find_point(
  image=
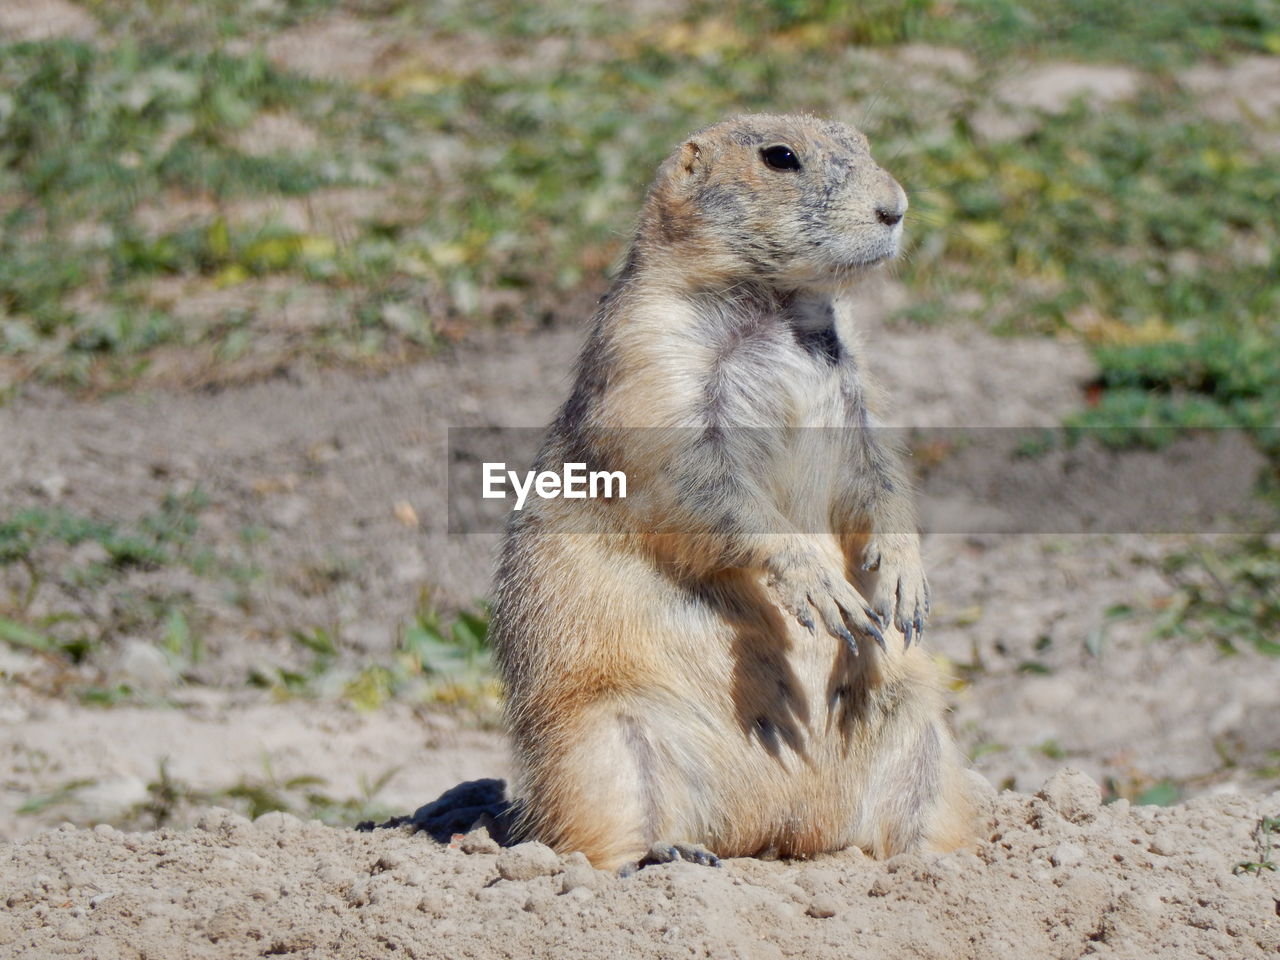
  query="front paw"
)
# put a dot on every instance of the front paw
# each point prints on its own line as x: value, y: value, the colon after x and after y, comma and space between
x: 806, y: 587
x: 902, y: 592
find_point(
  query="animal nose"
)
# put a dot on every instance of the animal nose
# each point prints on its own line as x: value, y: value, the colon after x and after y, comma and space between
x: 889, y: 216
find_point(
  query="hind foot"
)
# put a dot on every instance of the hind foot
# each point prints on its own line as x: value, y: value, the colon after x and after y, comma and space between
x: 663, y: 852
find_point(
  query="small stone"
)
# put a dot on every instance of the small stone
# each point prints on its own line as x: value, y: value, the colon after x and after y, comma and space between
x: 333, y: 875
x: 580, y: 894
x: 879, y: 887
x: 432, y: 904
x: 479, y: 841
x: 223, y: 821
x: 361, y: 893
x: 822, y: 907
x: 1067, y: 855
x: 288, y: 512
x: 578, y: 876
x: 142, y: 667
x: 1072, y: 794
x: 72, y: 931
x: 1163, y: 844
x: 53, y: 487
x: 417, y: 877
x: 814, y: 880
x: 231, y: 920
x: 525, y: 861
x: 278, y: 820
x: 945, y: 866
x: 540, y: 902
x: 104, y: 829
x: 503, y: 892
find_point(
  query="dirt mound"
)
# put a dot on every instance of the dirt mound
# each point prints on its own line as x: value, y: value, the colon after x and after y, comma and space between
x: 1057, y: 875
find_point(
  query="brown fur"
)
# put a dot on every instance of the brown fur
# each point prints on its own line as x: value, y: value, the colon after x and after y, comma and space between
x: 681, y: 664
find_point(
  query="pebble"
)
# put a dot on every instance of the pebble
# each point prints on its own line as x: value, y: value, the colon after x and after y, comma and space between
x: 1072, y: 794
x: 479, y: 841
x: 1163, y: 844
x: 525, y: 861
x: 221, y: 820
x: 1067, y: 855
x: 578, y: 876
x: 512, y: 894
x: 361, y: 893
x: 432, y: 903
x: 540, y: 902
x: 231, y: 920
x: 822, y: 907
x: 278, y: 820
x: 142, y: 667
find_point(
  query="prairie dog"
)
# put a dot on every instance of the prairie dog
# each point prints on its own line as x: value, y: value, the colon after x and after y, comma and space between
x: 721, y: 664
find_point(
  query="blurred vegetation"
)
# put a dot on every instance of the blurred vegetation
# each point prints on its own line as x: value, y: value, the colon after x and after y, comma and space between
x: 73, y: 583
x: 1228, y: 593
x: 74, y: 589
x: 436, y: 659
x: 493, y: 155
x: 1265, y: 833
x: 172, y: 802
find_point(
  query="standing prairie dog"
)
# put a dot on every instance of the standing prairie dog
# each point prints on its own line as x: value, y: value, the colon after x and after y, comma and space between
x: 721, y: 663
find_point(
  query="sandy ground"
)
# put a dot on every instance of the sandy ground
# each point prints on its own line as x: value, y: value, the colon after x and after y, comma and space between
x: 321, y: 458
x: 1057, y: 876
x: 326, y: 462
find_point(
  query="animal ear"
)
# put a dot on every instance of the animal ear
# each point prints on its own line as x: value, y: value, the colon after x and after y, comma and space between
x: 690, y: 158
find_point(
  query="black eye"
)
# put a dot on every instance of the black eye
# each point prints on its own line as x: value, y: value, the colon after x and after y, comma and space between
x: 780, y: 158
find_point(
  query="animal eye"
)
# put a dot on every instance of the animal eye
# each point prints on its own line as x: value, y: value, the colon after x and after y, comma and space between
x: 780, y: 158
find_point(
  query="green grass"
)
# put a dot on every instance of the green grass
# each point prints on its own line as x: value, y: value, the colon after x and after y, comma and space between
x: 509, y: 188
x: 1168, y: 33
x: 73, y: 588
x: 71, y: 583
x: 1264, y: 833
x: 437, y: 659
x: 171, y: 801
x: 1227, y: 593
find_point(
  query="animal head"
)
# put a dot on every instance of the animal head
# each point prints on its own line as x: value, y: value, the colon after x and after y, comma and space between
x: 794, y: 202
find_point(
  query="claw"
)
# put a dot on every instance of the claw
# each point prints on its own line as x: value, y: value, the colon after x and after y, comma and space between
x: 806, y: 622
x: 849, y: 640
x: 878, y: 637
x: 906, y: 635
x: 676, y: 852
